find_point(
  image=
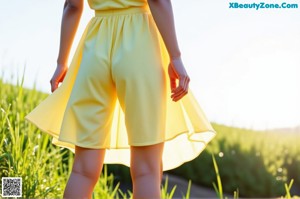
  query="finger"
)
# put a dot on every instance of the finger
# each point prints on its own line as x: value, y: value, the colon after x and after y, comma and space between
x: 173, y: 77
x: 178, y: 90
x: 180, y: 85
x: 54, y: 86
x: 185, y: 89
x: 173, y: 84
x: 63, y: 76
x: 186, y: 83
x: 179, y: 93
x: 181, y: 90
x: 51, y: 84
x: 179, y: 96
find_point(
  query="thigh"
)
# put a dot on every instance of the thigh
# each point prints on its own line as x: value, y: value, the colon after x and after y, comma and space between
x: 88, y: 162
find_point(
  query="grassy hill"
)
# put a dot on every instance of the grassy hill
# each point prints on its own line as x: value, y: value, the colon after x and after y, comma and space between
x: 258, y: 164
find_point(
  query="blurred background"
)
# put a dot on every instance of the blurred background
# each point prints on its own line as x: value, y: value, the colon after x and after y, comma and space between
x: 244, y: 66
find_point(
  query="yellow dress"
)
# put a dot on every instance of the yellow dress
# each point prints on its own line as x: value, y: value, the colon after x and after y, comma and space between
x: 116, y: 93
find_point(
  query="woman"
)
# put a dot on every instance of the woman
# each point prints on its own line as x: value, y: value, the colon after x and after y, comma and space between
x: 112, y: 105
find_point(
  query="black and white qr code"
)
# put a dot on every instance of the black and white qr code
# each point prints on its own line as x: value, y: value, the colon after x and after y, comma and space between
x: 11, y: 187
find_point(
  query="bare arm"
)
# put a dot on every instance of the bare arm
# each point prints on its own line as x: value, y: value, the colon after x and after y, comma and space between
x: 70, y: 20
x: 163, y: 16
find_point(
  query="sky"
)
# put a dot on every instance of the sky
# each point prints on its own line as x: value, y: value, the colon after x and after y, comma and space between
x: 244, y: 64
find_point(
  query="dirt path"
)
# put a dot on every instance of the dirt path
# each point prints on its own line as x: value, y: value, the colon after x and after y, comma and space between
x: 182, y: 185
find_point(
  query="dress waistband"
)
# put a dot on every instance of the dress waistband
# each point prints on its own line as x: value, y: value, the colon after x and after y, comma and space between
x: 121, y: 11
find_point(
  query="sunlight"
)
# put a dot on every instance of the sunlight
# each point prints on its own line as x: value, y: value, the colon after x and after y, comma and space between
x: 243, y: 68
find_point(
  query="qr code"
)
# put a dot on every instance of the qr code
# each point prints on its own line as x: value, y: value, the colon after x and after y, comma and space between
x: 11, y: 187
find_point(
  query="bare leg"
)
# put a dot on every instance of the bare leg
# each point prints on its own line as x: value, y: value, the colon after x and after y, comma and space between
x: 85, y: 173
x: 146, y: 171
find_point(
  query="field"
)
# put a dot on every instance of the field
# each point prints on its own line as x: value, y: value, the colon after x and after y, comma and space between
x: 257, y: 164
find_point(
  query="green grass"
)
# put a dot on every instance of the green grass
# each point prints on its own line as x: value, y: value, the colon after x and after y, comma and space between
x: 28, y: 153
x: 219, y: 189
x: 256, y: 163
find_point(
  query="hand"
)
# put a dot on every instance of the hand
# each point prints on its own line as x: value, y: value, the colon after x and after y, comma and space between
x: 177, y: 71
x: 58, y: 76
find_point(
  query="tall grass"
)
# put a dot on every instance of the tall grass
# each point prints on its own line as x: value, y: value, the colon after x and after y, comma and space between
x: 24, y: 151
x: 219, y: 189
